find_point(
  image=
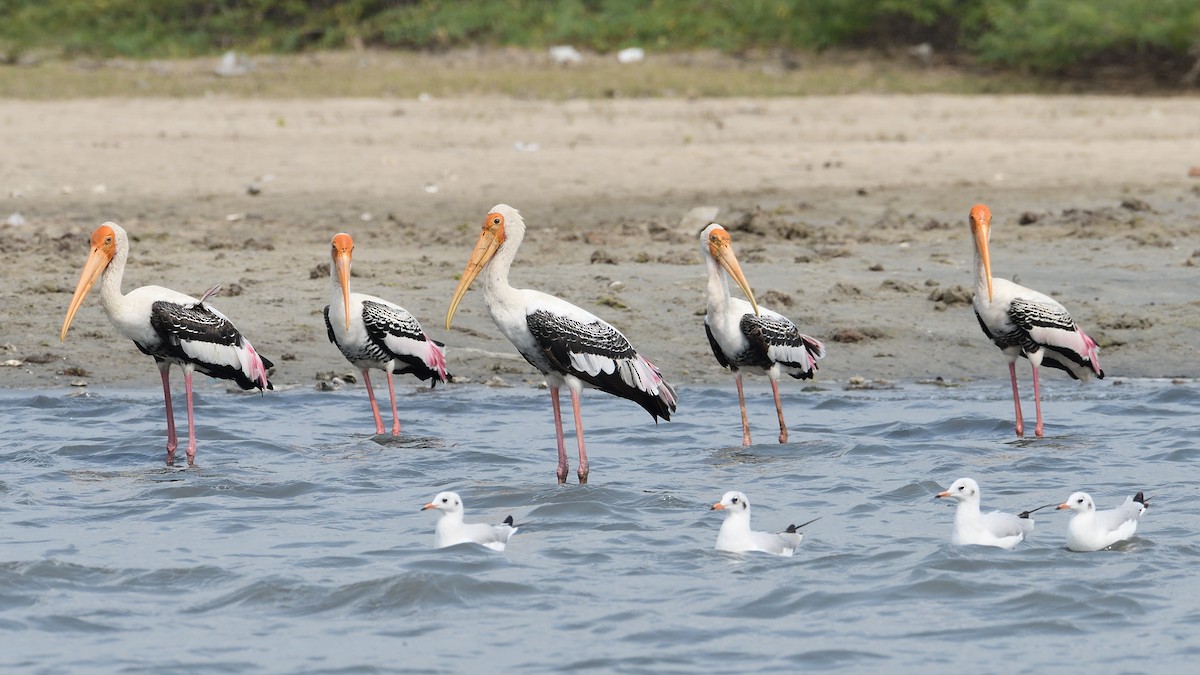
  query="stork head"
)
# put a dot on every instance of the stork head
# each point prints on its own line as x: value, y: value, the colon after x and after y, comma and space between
x: 493, y: 235
x: 341, y: 252
x: 715, y: 242
x: 104, y: 248
x: 981, y: 229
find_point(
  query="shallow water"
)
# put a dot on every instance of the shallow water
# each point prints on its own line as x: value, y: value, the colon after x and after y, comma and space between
x: 298, y: 546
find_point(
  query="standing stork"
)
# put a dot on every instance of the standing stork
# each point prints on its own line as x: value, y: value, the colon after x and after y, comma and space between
x: 1022, y: 322
x: 374, y: 333
x: 169, y: 326
x: 746, y: 336
x: 569, y: 345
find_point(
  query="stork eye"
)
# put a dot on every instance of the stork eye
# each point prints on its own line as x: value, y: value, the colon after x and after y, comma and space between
x: 496, y: 220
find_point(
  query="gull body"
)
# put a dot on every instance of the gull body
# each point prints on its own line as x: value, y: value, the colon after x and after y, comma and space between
x: 169, y: 326
x: 747, y: 337
x: 999, y: 529
x: 736, y: 536
x: 374, y: 334
x: 1092, y: 530
x: 451, y: 530
x: 569, y: 345
x: 1025, y: 323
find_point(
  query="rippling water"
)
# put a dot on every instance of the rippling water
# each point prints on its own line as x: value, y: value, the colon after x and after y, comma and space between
x: 297, y: 546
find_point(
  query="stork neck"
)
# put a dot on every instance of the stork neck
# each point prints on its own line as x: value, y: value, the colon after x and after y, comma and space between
x: 981, y: 285
x: 335, y: 286
x: 495, y: 275
x: 718, y: 283
x: 110, y: 283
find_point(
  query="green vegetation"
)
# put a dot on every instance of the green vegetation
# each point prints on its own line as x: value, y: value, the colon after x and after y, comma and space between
x: 1046, y: 37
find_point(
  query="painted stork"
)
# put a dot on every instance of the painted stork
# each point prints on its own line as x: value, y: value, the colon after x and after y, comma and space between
x: 169, y: 326
x: 1022, y: 322
x: 569, y: 345
x: 374, y: 333
x: 747, y: 336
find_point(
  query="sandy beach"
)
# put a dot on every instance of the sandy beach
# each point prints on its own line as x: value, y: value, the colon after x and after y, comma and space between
x: 848, y: 215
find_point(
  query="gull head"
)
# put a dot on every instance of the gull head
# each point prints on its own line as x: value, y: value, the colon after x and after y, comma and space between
x: 962, y: 490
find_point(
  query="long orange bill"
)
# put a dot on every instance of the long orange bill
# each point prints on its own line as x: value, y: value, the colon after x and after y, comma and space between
x: 341, y: 262
x: 943, y: 494
x: 726, y: 259
x: 1060, y: 507
x: 717, y: 507
x: 92, y: 269
x: 486, y: 247
x: 981, y: 244
x: 428, y: 506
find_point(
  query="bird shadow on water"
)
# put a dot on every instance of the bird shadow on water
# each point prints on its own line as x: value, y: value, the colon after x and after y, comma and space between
x: 411, y: 442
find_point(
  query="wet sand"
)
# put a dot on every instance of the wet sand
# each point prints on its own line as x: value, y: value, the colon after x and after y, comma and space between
x: 847, y: 213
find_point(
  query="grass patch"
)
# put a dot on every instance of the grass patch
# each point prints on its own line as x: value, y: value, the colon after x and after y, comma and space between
x: 504, y: 72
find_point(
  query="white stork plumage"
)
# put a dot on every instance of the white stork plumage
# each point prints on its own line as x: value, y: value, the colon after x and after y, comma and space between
x: 567, y: 344
x: 747, y: 336
x: 169, y: 326
x: 1025, y: 323
x: 374, y: 333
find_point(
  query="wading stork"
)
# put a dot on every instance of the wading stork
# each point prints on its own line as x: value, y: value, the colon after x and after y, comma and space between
x: 374, y: 333
x: 1025, y: 323
x: 169, y: 326
x: 746, y: 336
x: 569, y: 345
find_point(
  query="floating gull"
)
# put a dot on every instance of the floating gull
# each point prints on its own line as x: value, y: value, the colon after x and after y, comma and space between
x: 452, y: 530
x: 1003, y: 530
x: 1092, y: 530
x: 737, y: 537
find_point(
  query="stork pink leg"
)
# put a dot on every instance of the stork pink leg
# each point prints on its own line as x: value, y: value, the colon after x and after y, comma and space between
x: 191, y: 448
x: 742, y: 404
x: 395, y: 413
x: 1012, y: 372
x: 583, y: 463
x: 563, y: 467
x: 1037, y: 402
x: 783, y: 435
x: 164, y: 369
x: 374, y: 406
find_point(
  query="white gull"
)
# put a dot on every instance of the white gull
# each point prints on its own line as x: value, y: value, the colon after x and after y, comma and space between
x: 452, y: 530
x: 737, y: 537
x: 1092, y: 530
x: 971, y: 527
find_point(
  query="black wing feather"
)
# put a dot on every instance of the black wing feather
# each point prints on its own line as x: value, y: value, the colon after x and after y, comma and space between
x: 197, y: 322
x: 383, y: 321
x: 560, y: 336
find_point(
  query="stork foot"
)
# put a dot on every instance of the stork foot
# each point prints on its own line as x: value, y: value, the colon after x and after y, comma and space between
x: 783, y: 436
x: 1037, y: 431
x: 1020, y: 431
x: 583, y: 475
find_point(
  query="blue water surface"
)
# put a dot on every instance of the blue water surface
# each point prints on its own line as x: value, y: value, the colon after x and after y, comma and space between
x: 297, y: 545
